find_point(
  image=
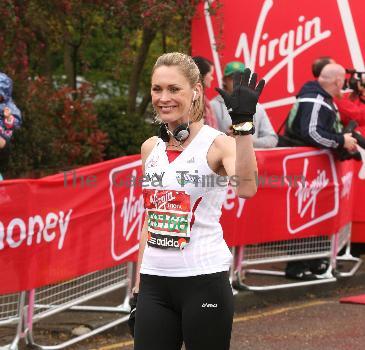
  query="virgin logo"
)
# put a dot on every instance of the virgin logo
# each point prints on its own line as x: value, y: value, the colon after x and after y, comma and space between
x: 307, y: 192
x: 132, y: 212
x: 274, y: 35
x: 286, y: 47
x: 127, y: 211
x: 160, y: 202
x: 316, y: 197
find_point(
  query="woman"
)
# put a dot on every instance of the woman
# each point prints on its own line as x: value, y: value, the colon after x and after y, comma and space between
x: 182, y: 270
x: 206, y: 69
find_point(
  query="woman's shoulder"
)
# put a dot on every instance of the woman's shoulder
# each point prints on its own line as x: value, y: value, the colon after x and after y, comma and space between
x: 223, y: 139
x: 148, y: 145
x: 223, y: 143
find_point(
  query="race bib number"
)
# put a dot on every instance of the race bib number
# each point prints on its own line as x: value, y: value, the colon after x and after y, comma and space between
x: 167, y: 218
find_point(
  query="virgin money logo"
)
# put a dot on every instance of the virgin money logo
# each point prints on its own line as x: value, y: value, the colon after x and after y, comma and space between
x: 315, y: 197
x: 127, y: 210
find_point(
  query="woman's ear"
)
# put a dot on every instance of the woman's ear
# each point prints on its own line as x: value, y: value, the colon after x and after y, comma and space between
x: 198, y: 91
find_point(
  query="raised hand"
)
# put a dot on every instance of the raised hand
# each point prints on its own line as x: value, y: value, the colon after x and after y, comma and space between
x: 241, y: 104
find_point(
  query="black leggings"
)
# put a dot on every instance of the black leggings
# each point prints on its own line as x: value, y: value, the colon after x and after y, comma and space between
x: 195, y: 310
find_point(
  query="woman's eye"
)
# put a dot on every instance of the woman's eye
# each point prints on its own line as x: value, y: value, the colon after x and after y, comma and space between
x: 156, y: 89
x: 174, y: 89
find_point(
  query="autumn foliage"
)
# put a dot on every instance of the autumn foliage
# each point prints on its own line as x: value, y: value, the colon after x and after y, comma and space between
x: 47, y: 45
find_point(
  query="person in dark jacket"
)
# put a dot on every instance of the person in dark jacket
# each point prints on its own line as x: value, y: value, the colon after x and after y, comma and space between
x: 314, y: 119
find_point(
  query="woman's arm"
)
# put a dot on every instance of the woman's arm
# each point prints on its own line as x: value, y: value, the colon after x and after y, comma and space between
x: 146, y: 149
x: 237, y: 158
x: 142, y: 244
x: 245, y: 167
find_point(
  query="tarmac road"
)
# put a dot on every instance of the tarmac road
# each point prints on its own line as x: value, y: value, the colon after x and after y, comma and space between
x: 324, y: 324
x: 300, y: 318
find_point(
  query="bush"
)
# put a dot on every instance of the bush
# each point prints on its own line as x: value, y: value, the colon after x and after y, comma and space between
x: 126, y: 132
x: 59, y: 132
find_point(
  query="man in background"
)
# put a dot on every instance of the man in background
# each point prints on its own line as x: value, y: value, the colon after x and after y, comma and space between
x: 264, y: 136
x: 314, y: 120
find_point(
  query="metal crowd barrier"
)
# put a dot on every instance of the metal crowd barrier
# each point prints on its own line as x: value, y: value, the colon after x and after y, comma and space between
x: 11, y: 314
x: 301, y: 249
x: 52, y: 299
x: 46, y: 301
x: 342, y: 242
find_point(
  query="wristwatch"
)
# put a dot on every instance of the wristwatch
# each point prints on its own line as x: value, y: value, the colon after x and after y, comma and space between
x: 246, y: 128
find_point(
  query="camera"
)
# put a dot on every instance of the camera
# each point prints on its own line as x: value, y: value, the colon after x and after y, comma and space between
x: 355, y: 78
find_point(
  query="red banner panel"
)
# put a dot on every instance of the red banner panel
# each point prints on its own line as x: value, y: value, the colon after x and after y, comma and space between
x: 279, y: 40
x: 69, y: 224
x: 73, y: 223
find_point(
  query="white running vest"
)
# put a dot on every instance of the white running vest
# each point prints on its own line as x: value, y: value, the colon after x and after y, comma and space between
x: 206, y: 252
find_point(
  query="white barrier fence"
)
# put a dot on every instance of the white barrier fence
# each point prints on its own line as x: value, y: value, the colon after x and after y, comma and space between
x: 12, y: 307
x: 22, y: 310
x: 53, y: 299
x: 265, y: 255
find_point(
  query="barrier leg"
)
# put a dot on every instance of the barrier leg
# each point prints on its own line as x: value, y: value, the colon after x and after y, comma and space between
x: 255, y: 257
x: 239, y: 271
x: 19, y: 329
x: 346, y: 258
x: 50, y: 300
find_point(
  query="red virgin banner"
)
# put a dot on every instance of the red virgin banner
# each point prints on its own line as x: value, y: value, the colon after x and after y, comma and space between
x: 279, y: 40
x: 69, y: 224
x: 73, y: 223
x: 302, y: 192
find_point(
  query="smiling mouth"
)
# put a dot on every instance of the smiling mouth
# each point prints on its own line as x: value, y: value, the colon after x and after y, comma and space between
x: 167, y: 108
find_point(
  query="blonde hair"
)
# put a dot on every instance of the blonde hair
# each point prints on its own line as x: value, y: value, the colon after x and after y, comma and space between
x: 190, y: 71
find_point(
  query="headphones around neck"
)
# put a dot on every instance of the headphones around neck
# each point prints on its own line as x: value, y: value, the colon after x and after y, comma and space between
x: 180, y: 133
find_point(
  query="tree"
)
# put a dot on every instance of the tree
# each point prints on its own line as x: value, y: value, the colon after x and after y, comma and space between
x: 111, y: 44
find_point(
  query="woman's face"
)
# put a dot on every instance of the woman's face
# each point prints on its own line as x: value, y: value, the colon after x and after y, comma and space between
x: 172, y: 94
x: 209, y: 77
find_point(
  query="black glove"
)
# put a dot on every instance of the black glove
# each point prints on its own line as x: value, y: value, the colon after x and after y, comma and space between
x: 132, y: 315
x: 350, y: 128
x: 241, y: 104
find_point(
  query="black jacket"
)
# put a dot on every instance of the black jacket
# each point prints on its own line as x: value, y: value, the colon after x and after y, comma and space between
x: 315, y: 123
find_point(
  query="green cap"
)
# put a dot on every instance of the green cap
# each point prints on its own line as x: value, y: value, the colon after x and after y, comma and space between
x: 232, y: 67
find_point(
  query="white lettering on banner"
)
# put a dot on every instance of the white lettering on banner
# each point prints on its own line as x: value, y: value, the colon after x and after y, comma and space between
x: 128, y: 220
x: 289, y: 45
x: 230, y: 202
x: 132, y: 212
x: 346, y: 182
x: 307, y: 192
x: 303, y: 195
x: 18, y: 231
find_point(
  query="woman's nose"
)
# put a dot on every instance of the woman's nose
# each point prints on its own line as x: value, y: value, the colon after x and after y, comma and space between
x: 165, y: 96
